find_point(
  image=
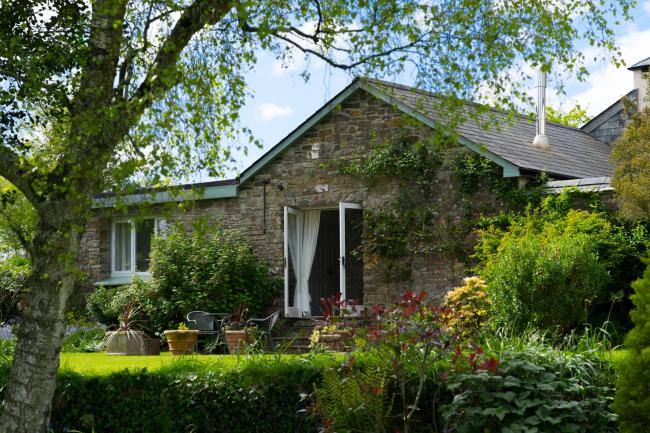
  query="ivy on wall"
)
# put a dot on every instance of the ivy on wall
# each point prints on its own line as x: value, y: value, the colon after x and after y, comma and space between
x: 428, y: 216
x: 472, y: 169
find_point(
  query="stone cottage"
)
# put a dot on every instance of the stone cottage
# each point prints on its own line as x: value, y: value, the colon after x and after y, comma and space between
x: 302, y: 214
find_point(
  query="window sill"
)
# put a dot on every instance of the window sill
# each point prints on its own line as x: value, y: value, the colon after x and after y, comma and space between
x: 121, y: 280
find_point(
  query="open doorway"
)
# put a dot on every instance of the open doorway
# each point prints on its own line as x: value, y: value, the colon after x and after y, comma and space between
x: 322, y: 257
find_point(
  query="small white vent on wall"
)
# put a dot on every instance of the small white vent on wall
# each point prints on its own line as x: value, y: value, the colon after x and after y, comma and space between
x: 315, y: 151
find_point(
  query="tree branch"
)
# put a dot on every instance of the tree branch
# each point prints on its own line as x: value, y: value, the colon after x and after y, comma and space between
x: 329, y: 60
x: 162, y: 74
x: 17, y: 171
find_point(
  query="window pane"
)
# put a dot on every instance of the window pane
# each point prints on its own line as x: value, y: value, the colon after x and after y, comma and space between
x: 122, y: 253
x: 143, y: 234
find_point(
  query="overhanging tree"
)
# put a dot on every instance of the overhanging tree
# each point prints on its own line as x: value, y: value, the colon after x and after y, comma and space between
x: 109, y: 94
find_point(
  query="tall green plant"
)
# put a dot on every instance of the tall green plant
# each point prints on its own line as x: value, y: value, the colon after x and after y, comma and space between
x: 632, y: 402
x: 354, y: 398
x: 544, y: 281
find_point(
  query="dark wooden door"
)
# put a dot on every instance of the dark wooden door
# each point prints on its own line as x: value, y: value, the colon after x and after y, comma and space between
x: 324, y: 277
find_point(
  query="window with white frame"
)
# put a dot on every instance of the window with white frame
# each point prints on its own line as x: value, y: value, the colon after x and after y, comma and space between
x: 131, y: 244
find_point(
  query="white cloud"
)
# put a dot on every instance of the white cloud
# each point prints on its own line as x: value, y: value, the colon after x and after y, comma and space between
x: 606, y: 83
x: 271, y: 111
x: 646, y: 6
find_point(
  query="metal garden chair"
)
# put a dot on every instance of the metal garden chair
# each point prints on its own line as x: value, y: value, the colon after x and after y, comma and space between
x: 265, y: 327
x: 210, y: 324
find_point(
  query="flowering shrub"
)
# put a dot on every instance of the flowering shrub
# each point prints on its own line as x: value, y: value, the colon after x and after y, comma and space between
x: 82, y: 336
x: 406, y: 342
x: 470, y: 306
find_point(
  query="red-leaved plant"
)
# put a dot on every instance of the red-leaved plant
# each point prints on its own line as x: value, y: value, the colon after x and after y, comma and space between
x: 411, y: 336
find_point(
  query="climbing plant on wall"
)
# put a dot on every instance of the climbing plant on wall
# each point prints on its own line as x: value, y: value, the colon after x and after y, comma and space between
x: 433, y: 211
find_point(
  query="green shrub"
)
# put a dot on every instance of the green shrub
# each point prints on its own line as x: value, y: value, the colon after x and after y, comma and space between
x: 632, y: 401
x: 544, y: 281
x: 98, y: 304
x: 530, y: 392
x: 556, y: 254
x: 106, y: 304
x: 14, y: 272
x: 206, y: 270
x: 469, y: 305
x: 262, y: 396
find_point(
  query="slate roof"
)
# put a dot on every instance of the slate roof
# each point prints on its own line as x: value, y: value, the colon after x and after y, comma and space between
x: 643, y: 64
x: 573, y: 153
x: 595, y: 184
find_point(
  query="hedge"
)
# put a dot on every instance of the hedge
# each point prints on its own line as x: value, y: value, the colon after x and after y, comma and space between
x: 260, y: 397
x: 269, y: 396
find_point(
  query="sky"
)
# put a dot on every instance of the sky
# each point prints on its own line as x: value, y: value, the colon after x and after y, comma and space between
x: 282, y: 99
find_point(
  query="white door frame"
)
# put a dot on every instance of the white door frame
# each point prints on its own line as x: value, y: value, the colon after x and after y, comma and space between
x: 289, y: 311
x: 342, y: 259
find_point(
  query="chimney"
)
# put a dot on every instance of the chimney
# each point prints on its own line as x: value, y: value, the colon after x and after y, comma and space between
x: 541, y: 140
x: 641, y: 83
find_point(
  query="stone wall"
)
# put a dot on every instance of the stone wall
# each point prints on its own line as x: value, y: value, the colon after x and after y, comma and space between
x: 304, y: 176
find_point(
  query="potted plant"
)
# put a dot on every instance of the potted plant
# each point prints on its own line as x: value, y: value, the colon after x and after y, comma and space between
x: 330, y: 337
x: 335, y: 333
x: 238, y: 337
x: 126, y: 340
x: 181, y: 341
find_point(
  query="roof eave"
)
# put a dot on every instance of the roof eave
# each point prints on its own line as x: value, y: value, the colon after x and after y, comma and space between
x: 294, y: 135
x: 159, y: 197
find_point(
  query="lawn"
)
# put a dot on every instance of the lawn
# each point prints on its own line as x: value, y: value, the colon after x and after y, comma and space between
x: 101, y: 363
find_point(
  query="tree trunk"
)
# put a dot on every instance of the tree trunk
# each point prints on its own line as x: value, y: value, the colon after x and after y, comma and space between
x: 28, y: 396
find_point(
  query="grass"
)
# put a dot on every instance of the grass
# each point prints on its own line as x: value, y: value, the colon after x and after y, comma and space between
x: 101, y: 363
x: 616, y: 356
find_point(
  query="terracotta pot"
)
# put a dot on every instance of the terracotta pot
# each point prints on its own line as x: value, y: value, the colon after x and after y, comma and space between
x: 237, y: 340
x: 181, y: 342
x: 133, y: 343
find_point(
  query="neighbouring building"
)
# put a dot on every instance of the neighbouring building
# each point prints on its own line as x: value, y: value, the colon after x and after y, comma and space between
x: 608, y: 125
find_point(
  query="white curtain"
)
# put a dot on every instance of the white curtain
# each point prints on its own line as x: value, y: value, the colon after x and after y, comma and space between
x: 308, y: 239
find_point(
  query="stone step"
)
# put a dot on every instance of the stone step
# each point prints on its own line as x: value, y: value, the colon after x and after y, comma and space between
x: 291, y: 344
x: 295, y: 349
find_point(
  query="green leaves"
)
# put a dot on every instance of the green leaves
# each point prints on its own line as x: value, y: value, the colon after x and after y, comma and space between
x: 205, y: 270
x: 530, y: 393
x: 632, y: 168
x: 553, y: 265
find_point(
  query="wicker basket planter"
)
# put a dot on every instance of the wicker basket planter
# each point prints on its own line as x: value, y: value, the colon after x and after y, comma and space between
x: 181, y: 341
x: 132, y: 343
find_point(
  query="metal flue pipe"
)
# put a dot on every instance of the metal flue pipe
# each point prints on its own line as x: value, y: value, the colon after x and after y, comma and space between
x: 541, y: 140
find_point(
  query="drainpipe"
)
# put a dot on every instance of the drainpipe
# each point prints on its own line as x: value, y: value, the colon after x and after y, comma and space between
x: 541, y: 140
